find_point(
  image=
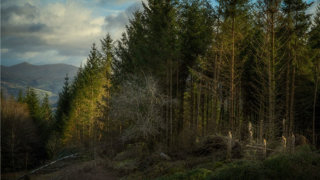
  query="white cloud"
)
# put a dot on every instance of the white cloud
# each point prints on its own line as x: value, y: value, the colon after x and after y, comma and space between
x: 4, y: 50
x: 55, y: 32
x: 28, y: 55
x: 71, y: 25
x: 118, y: 2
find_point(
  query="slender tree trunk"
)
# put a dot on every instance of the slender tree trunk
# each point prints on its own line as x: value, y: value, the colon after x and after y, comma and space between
x: 191, y: 104
x: 292, y: 100
x: 171, y: 106
x: 272, y: 81
x: 314, y: 109
x: 198, y: 107
x: 195, y: 98
x: 231, y: 118
x: 216, y: 100
x: 167, y: 104
x: 217, y: 61
x: 287, y: 119
x: 202, y: 113
x: 207, y: 99
x: 214, y: 96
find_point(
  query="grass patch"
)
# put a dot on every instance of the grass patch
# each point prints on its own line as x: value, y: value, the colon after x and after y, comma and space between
x: 195, y: 174
x: 304, y: 164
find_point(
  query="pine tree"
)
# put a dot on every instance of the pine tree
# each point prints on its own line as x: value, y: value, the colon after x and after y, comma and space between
x: 33, y: 104
x: 87, y: 92
x: 196, y: 29
x: 20, y: 98
x: 63, y: 106
x: 104, y: 105
x: 34, y: 107
x: 150, y: 48
x: 46, y: 111
x: 314, y: 42
x: 296, y: 24
x: 234, y: 31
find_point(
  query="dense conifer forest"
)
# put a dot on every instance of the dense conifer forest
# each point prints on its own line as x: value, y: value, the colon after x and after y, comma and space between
x: 192, y: 90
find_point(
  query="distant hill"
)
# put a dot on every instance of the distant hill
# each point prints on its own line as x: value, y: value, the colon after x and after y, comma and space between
x: 43, y: 78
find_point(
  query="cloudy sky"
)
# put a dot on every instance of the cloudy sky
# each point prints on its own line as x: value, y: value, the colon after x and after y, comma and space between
x: 59, y: 31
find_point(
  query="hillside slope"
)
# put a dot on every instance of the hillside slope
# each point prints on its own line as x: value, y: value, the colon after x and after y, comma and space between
x: 44, y: 78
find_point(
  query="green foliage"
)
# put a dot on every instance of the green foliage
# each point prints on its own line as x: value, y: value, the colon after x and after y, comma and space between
x: 46, y: 111
x: 150, y: 41
x: 195, y: 174
x: 33, y: 104
x: 63, y: 107
x: 239, y: 170
x: 211, y: 165
x: 180, y: 68
x: 42, y: 117
x: 125, y: 166
x: 212, y: 69
x: 20, y: 98
x: 304, y: 164
x: 19, y: 137
x: 80, y: 119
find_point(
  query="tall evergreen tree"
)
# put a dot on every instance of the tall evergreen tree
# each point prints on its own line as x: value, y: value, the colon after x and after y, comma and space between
x: 34, y: 107
x: 296, y: 23
x: 33, y: 103
x: 20, y: 98
x: 314, y: 42
x: 63, y: 106
x: 196, y: 29
x: 104, y: 105
x: 46, y: 111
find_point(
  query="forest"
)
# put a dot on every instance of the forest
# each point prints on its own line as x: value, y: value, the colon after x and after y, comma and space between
x: 194, y: 89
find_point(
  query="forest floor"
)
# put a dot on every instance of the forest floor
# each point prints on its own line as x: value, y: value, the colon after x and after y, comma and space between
x: 90, y: 170
x: 207, y: 162
x: 70, y: 170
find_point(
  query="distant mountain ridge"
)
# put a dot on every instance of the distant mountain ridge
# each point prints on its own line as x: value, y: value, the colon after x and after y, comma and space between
x: 44, y: 78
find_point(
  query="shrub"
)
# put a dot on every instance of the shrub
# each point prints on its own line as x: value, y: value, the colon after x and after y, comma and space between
x: 239, y: 170
x: 304, y: 164
x: 138, y: 106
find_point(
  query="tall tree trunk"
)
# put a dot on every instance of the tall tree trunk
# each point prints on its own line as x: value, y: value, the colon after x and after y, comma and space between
x: 192, y: 104
x: 214, y: 95
x: 202, y: 113
x: 272, y: 81
x: 198, y: 107
x: 171, y: 106
x: 167, y: 104
x: 207, y: 99
x: 231, y: 113
x: 292, y: 101
x: 216, y: 102
x: 314, y: 108
x: 287, y: 117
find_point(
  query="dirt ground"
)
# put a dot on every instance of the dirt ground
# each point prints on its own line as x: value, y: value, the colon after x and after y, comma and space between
x: 90, y: 170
